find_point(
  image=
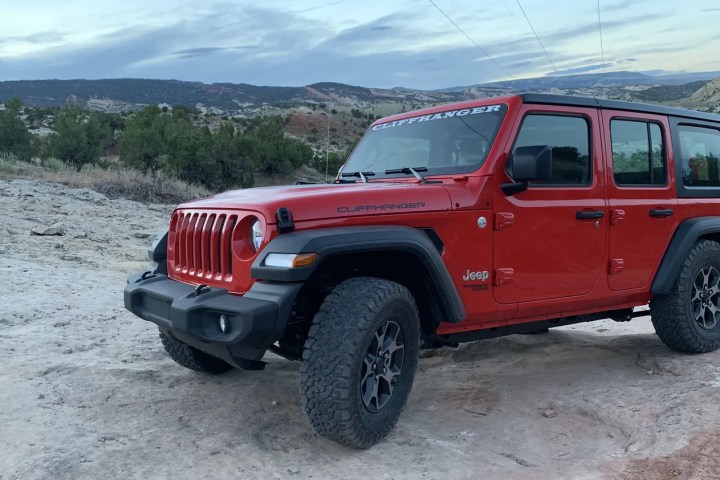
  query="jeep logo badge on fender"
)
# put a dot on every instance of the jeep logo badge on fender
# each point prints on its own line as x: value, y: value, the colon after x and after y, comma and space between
x: 480, y: 275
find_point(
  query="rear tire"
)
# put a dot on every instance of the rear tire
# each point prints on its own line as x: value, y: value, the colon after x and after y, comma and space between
x: 192, y: 358
x: 360, y: 360
x: 688, y: 318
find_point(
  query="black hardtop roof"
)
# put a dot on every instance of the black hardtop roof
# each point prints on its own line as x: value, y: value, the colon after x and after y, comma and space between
x: 617, y: 105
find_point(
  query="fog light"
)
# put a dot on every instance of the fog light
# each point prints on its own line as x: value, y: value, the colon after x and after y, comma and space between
x: 224, y: 324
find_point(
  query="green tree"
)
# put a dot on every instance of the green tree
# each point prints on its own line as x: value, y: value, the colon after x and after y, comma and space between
x: 233, y: 157
x: 269, y: 139
x: 333, y: 160
x: 79, y: 138
x: 226, y: 159
x: 14, y: 135
x: 144, y: 138
x: 15, y: 106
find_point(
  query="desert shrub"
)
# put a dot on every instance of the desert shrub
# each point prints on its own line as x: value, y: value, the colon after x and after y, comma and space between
x: 54, y: 164
x: 135, y: 185
x: 117, y: 182
x: 8, y: 163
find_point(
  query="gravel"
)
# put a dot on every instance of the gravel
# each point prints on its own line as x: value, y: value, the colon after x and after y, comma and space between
x: 86, y: 390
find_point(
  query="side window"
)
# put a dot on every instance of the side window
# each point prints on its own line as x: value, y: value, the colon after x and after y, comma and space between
x: 638, y: 153
x: 700, y: 154
x: 569, y: 139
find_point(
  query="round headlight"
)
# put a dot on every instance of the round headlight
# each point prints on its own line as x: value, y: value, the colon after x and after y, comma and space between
x: 256, y: 235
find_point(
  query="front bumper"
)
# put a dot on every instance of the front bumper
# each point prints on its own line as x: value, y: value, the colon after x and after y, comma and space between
x: 257, y: 319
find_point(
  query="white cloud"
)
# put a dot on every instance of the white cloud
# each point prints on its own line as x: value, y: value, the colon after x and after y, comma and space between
x: 372, y: 43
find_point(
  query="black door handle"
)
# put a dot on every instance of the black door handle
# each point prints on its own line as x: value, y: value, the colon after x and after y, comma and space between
x: 660, y: 212
x: 582, y: 215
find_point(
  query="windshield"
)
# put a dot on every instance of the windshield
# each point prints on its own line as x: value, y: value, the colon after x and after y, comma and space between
x: 454, y: 141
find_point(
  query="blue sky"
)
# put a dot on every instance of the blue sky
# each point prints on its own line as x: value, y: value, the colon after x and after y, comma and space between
x: 370, y: 43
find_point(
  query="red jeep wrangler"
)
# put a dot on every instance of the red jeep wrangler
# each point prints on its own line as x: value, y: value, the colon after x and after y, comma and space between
x: 446, y: 225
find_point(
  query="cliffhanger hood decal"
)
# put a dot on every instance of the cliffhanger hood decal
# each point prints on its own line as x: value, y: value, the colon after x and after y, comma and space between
x: 381, y: 207
x: 439, y: 116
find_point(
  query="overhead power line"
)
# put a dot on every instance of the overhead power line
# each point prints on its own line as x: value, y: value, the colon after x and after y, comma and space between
x: 472, y: 41
x: 536, y: 36
x: 602, y: 50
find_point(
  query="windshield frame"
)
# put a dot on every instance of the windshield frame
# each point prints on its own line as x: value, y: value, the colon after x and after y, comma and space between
x: 502, y: 108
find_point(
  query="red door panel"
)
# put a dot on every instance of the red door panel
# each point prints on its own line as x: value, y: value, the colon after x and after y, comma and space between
x: 640, y: 227
x: 546, y: 251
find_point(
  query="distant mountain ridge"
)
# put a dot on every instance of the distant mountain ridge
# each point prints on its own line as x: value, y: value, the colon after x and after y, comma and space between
x: 134, y: 93
x: 590, y: 80
x: 128, y: 94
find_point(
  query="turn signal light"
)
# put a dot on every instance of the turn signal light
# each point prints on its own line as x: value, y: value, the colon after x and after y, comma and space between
x: 304, y: 260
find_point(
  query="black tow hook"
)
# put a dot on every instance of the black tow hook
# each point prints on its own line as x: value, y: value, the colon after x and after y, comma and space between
x: 146, y: 275
x: 200, y: 289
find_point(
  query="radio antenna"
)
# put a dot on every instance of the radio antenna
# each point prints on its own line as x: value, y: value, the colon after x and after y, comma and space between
x: 327, y: 146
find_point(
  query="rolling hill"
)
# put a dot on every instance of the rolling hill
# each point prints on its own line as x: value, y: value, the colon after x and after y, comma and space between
x: 708, y: 95
x: 243, y: 100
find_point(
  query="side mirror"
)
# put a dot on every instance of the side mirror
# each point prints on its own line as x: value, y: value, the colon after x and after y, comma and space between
x: 528, y: 164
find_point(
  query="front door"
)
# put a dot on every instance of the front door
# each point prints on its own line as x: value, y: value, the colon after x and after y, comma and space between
x: 641, y: 195
x: 550, y: 241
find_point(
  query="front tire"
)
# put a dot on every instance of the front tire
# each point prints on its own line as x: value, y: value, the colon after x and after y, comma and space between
x: 192, y: 358
x: 688, y: 318
x: 360, y: 360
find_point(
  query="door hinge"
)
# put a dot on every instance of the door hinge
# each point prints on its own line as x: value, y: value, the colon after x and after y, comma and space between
x: 616, y: 265
x: 504, y: 220
x: 503, y: 276
x: 617, y: 216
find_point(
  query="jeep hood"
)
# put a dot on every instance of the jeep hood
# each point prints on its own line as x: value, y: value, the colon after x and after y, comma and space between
x: 315, y: 202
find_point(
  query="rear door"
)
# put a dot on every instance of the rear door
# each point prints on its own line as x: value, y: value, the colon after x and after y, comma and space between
x: 641, y: 193
x: 550, y: 241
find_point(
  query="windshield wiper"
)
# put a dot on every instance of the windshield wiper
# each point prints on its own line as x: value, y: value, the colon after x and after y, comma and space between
x: 361, y: 175
x: 413, y: 171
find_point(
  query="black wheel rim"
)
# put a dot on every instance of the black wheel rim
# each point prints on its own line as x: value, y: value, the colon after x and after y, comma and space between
x: 705, y: 298
x: 382, y: 366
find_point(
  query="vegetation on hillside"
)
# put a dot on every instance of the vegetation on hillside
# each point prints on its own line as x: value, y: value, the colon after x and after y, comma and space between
x: 158, y: 141
x: 225, y: 149
x: 135, y: 92
x: 668, y: 93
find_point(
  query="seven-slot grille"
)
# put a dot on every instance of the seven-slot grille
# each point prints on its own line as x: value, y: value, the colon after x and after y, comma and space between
x: 203, y: 244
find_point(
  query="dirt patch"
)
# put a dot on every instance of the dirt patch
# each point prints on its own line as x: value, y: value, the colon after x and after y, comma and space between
x: 87, y: 390
x: 699, y: 459
x: 312, y: 125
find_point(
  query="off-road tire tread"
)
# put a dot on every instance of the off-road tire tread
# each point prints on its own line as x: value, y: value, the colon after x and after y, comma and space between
x: 338, y: 331
x: 192, y: 358
x: 669, y: 312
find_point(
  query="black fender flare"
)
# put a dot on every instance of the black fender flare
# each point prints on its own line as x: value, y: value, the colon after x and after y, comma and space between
x: 328, y: 242
x: 687, y: 233
x: 157, y: 254
x: 158, y: 250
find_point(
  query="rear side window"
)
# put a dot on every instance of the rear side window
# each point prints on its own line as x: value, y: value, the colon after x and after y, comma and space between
x: 700, y: 154
x: 638, y: 153
x: 569, y: 139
